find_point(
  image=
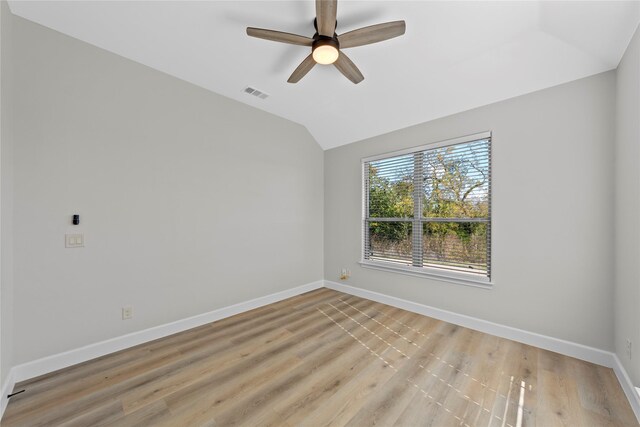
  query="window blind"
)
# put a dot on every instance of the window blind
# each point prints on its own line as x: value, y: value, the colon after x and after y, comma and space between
x: 430, y: 208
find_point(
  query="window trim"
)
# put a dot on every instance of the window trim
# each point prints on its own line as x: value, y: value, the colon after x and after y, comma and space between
x: 468, y: 279
x: 431, y: 273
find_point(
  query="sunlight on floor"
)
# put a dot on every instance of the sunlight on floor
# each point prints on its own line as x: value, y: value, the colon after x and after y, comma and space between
x: 493, y: 414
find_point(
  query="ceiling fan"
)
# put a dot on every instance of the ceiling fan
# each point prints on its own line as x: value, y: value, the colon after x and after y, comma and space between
x: 326, y: 45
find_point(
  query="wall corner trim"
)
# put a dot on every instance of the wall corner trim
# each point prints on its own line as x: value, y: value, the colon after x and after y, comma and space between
x: 68, y: 358
x: 633, y: 393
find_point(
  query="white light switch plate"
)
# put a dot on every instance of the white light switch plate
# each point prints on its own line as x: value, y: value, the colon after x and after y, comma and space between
x: 74, y: 240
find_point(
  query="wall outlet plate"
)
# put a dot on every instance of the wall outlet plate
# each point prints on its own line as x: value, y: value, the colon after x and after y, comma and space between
x: 127, y: 313
x: 629, y: 344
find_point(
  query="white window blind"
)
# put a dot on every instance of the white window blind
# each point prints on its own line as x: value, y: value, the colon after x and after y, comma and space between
x: 430, y: 208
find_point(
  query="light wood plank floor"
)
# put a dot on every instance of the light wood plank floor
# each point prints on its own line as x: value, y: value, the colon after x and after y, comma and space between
x: 326, y: 358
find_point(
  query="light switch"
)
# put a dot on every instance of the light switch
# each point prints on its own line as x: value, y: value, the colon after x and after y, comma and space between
x: 74, y: 240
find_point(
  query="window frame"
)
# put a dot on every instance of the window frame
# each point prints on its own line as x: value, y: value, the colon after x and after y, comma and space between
x: 469, y: 279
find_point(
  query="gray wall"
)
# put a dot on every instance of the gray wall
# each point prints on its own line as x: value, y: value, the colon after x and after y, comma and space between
x: 627, y: 186
x: 552, y: 212
x: 6, y: 189
x: 189, y: 201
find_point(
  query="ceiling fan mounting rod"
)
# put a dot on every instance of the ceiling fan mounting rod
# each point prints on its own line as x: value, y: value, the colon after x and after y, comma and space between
x: 315, y: 25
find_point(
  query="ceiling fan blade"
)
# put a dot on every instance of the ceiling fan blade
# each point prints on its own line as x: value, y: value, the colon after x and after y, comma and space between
x: 305, y: 66
x: 348, y: 68
x: 326, y: 17
x: 372, y: 34
x: 279, y: 36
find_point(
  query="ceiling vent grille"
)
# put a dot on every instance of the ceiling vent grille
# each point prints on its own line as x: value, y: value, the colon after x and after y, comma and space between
x: 255, y: 92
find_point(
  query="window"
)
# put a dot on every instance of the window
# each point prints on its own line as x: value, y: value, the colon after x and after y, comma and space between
x: 427, y: 210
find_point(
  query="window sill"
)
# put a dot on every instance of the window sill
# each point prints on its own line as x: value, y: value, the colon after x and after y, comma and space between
x: 457, y: 278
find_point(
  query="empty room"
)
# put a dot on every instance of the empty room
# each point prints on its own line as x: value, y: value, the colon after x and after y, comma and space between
x: 319, y: 213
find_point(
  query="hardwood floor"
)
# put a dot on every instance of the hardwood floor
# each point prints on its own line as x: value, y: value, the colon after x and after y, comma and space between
x: 326, y: 358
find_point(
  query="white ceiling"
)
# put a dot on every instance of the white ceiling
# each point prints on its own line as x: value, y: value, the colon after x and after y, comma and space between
x: 454, y: 56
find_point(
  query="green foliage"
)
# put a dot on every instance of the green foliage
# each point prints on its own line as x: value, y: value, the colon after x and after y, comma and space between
x: 454, y: 186
x: 390, y: 199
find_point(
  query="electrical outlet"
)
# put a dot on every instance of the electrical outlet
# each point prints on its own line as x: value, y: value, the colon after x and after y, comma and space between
x: 345, y: 273
x: 629, y: 348
x: 127, y: 313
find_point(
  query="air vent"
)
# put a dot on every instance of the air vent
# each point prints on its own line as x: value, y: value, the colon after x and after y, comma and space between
x: 255, y: 92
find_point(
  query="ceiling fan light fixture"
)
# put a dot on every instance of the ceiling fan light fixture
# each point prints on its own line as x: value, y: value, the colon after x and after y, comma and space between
x: 325, y: 51
x: 326, y: 43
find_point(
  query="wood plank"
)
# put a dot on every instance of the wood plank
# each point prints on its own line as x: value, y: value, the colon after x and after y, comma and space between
x: 326, y: 358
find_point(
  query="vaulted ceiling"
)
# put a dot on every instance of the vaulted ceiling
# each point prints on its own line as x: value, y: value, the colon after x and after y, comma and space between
x: 454, y: 56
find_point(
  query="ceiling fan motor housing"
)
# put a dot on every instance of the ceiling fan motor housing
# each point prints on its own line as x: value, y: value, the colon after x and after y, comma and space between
x: 325, y: 41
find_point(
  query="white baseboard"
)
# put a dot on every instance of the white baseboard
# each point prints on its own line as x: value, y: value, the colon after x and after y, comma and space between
x: 7, y: 388
x: 579, y: 351
x: 62, y: 360
x: 633, y: 393
x: 568, y: 348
